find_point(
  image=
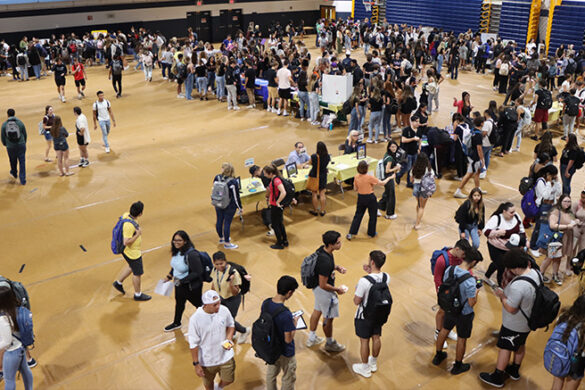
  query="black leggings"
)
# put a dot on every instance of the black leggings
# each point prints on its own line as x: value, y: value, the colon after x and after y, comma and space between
x: 183, y: 294
x: 278, y: 224
x: 117, y: 79
x: 365, y: 202
x: 233, y: 304
x: 388, y: 201
x: 497, y: 264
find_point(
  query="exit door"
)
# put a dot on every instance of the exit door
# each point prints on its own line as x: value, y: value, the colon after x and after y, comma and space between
x: 230, y: 21
x: 328, y: 12
x: 201, y: 23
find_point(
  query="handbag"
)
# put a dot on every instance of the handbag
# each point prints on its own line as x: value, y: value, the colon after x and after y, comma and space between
x: 313, y: 182
x: 547, y: 236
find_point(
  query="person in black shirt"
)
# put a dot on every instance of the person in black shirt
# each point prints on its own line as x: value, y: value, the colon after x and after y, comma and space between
x: 319, y: 161
x: 568, y: 157
x: 303, y: 93
x: 60, y: 71
x: 410, y: 143
x: 368, y: 69
x: 231, y: 85
x: 250, y: 83
x: 357, y: 72
x: 270, y: 76
x: 326, y: 301
x: 475, y: 158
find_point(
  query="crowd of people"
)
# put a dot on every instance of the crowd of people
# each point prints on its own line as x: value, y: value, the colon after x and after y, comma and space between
x: 399, y: 84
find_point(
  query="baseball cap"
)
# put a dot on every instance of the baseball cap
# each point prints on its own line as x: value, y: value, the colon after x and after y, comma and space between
x: 210, y: 297
x: 513, y: 241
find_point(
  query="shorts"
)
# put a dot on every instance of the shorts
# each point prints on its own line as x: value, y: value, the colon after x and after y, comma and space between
x: 61, y: 146
x: 80, y: 82
x: 473, y: 166
x: 272, y: 92
x: 48, y: 136
x: 134, y: 264
x: 417, y: 192
x: 365, y: 329
x: 511, y: 340
x: 284, y: 93
x: 81, y: 140
x: 180, y: 80
x: 226, y: 372
x: 540, y: 115
x: 60, y: 82
x: 464, y: 324
x: 326, y: 302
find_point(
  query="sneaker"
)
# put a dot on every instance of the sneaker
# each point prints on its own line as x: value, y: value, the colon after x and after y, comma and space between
x: 459, y: 195
x: 513, y: 372
x: 334, y: 347
x: 142, y: 297
x: 452, y: 335
x: 546, y: 279
x: 439, y: 357
x: 285, y: 113
x: 514, y: 150
x: 445, y: 346
x: 563, y: 138
x: 348, y: 237
x: 460, y: 368
x: 370, y: 141
x: 221, y: 241
x: 31, y: 363
x: 379, y: 213
x: 483, y: 175
x: 362, y: 369
x: 250, y: 106
x: 171, y: 327
x: 230, y: 245
x: 373, y: 363
x: 535, y: 253
x: 244, y: 336
x: 107, y: 149
x: 483, y: 191
x: 277, y: 246
x: 229, y: 108
x: 118, y: 286
x: 303, y: 119
x: 236, y: 108
x: 270, y: 232
x: 85, y: 163
x: 312, y: 342
x: 179, y: 96
x: 269, y: 109
x: 80, y: 163
x: 492, y: 379
x: 278, y: 112
x: 393, y: 216
x: 557, y: 281
x: 457, y: 178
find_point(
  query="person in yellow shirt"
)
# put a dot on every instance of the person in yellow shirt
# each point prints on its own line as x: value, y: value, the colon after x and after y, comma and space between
x: 132, y: 252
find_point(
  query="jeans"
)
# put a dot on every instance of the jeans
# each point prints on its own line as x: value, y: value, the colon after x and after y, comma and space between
x: 566, y: 180
x: 304, y: 100
x: 232, y: 96
x: 410, y: 158
x: 487, y: 152
x: 224, y: 221
x: 17, y: 156
x: 517, y: 135
x: 433, y: 97
x: 183, y: 293
x: 353, y: 121
x: 375, y: 123
x: 454, y: 71
x: 568, y: 124
x: 100, y: 55
x: 220, y: 91
x: 233, y: 304
x: 105, y: 126
x: 278, y: 224
x: 386, y: 122
x: 314, y: 105
x: 288, y: 365
x: 211, y: 80
x: 37, y: 70
x: 471, y: 231
x: 362, y: 115
x: 365, y: 202
x: 388, y: 201
x: 166, y: 69
x: 189, y: 86
x: 12, y: 362
x: 542, y: 211
x: 202, y: 85
x: 366, y: 48
x: 147, y: 72
x: 23, y: 72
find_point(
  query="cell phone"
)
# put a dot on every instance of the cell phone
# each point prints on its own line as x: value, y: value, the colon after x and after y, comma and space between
x: 297, y: 313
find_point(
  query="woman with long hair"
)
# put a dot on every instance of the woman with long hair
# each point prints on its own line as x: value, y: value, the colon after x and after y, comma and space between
x: 48, y: 120
x: 14, y: 358
x: 60, y: 134
x: 391, y: 167
x: 375, y: 104
x: 471, y: 217
x: 276, y: 193
x: 314, y: 109
x: 388, y: 97
x: 569, y: 155
x: 355, y: 116
x: 546, y: 146
x: 319, y: 162
x: 224, y: 216
x: 407, y: 105
x: 188, y: 273
x: 464, y: 106
x: 421, y: 166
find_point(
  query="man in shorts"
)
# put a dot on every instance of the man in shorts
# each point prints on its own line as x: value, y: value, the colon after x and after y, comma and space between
x: 285, y: 81
x: 79, y: 76
x: 326, y: 301
x: 543, y: 102
x: 210, y: 334
x: 270, y: 76
x: 102, y: 112
x: 83, y: 137
x: 132, y: 253
x: 475, y: 158
x: 517, y: 302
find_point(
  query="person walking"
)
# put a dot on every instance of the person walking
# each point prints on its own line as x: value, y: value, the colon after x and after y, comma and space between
x: 224, y: 216
x: 421, y: 167
x: 364, y: 185
x: 79, y: 76
x: 570, y: 154
x: 83, y: 137
x: 103, y: 114
x: 475, y: 159
x: 187, y: 273
x: 231, y: 85
x: 319, y: 162
x: 14, y: 138
x: 132, y: 235
x: 60, y: 134
x: 116, y: 69
x: 60, y: 71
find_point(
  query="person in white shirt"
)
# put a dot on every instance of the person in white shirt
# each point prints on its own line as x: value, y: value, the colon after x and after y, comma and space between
x: 366, y: 328
x: 211, y: 332
x: 147, y: 59
x: 285, y: 81
x: 83, y: 137
x: 102, y: 111
x: 547, y: 191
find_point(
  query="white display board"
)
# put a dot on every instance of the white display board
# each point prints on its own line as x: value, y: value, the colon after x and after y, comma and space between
x: 337, y: 89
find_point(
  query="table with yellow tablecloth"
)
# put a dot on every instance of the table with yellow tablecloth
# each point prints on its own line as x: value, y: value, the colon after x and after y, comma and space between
x: 345, y: 166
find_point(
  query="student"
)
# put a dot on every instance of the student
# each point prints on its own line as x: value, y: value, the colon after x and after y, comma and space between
x: 132, y: 234
x: 375, y: 104
x: 226, y: 280
x: 225, y: 216
x: 464, y: 321
x: 547, y: 191
x: 326, y: 300
x: 421, y: 167
x: 211, y: 332
x: 231, y: 85
x: 102, y: 111
x: 364, y: 184
x: 60, y: 71
x: 314, y: 106
x: 270, y: 76
x: 285, y: 81
x: 14, y: 138
x: 47, y: 123
x: 83, y: 137
x: 147, y: 59
x: 475, y: 159
x: 569, y: 155
x: 319, y: 162
x: 276, y: 194
x: 79, y: 76
x: 60, y: 134
x: 391, y: 168
x: 115, y: 75
x: 187, y: 272
x: 201, y: 79
x: 543, y: 104
x: 250, y: 83
x: 366, y: 329
x: 471, y: 217
x: 13, y: 359
x: 286, y: 325
x: 303, y: 93
x: 517, y: 302
x: 410, y: 144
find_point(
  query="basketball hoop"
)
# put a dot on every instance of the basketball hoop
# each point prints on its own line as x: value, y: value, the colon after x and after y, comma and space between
x: 368, y: 5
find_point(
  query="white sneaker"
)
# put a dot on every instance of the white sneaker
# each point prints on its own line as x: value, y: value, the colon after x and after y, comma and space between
x: 270, y: 232
x: 179, y: 96
x: 236, y: 108
x: 459, y: 195
x: 269, y: 109
x: 285, y: 113
x: 452, y: 335
x: 250, y: 106
x: 302, y: 119
x: 107, y: 150
x: 334, y: 347
x: 63, y: 99
x: 244, y: 336
x: 229, y: 245
x: 362, y: 369
x: 514, y: 150
x: 373, y: 363
x: 165, y: 78
x: 445, y: 346
x: 229, y: 108
x: 316, y: 341
x: 278, y: 112
x: 483, y: 175
x: 457, y: 178
x: 369, y: 140
x: 379, y: 213
x: 535, y: 253
x: 393, y: 216
x: 483, y: 191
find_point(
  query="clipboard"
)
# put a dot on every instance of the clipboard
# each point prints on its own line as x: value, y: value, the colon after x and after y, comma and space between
x: 301, y: 324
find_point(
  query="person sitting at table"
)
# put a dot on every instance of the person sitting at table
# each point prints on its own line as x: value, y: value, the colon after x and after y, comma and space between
x: 351, y: 142
x: 299, y: 156
x: 319, y: 162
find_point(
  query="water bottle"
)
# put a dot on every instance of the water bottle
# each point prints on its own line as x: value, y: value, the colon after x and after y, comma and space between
x: 331, y: 126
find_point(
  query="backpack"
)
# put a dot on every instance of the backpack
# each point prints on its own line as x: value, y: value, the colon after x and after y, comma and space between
x: 559, y: 356
x: 25, y: 326
x: 379, y: 303
x: 546, y: 305
x: 116, y: 67
x: 266, y: 340
x: 435, y: 256
x: 495, y: 135
x: 19, y: 291
x: 572, y: 106
x: 547, y: 101
x: 72, y: 47
x: 245, y: 286
x: 12, y: 131
x: 504, y: 69
x: 466, y: 139
x: 347, y: 107
x: 571, y: 67
x: 427, y: 184
x: 578, y: 164
x: 552, y: 71
x: 308, y: 277
x: 393, y: 106
x: 449, y: 295
x: 289, y: 187
x: 511, y: 115
x: 117, y: 243
x: 528, y: 203
x: 380, y: 170
x: 117, y: 51
x: 21, y: 59
x: 220, y: 195
x: 526, y: 183
x: 206, y: 263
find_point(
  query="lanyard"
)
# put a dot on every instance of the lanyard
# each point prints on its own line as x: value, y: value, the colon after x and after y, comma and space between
x: 220, y: 280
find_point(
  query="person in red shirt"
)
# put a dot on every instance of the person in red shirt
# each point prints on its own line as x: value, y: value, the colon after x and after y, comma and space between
x: 79, y: 75
x: 456, y: 256
x: 276, y: 194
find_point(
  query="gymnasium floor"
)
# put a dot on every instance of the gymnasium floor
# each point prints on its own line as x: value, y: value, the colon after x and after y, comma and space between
x: 165, y: 152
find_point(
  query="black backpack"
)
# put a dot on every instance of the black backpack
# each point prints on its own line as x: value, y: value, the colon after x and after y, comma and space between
x: 511, y: 115
x: 245, y: 286
x: 546, y: 305
x: 580, y: 159
x: 571, y: 67
x: 379, y: 303
x: 526, y: 183
x: 449, y: 294
x: 495, y: 135
x: 346, y: 108
x: 572, y: 106
x: 547, y: 101
x: 266, y: 340
x: 289, y: 187
x: 206, y: 264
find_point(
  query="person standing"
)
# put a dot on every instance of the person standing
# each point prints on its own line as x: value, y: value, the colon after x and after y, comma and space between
x: 276, y: 194
x: 225, y: 216
x: 14, y: 138
x: 250, y: 83
x: 319, y: 162
x: 132, y: 235
x: 79, y: 76
x: 231, y: 85
x: 411, y: 145
x: 60, y: 134
x: 270, y: 76
x: 286, y: 325
x: 47, y: 123
x: 285, y: 80
x: 116, y: 69
x: 326, y: 300
x: 102, y: 111
x: 569, y: 155
x: 60, y: 71
x: 303, y: 93
x: 391, y: 167
x: 83, y: 137
x: 211, y: 332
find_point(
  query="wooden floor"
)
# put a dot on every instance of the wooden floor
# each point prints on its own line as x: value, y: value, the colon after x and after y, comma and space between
x: 165, y: 152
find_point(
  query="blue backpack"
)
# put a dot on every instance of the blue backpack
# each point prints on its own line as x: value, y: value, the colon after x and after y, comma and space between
x: 558, y: 356
x: 25, y: 326
x: 528, y: 203
x: 436, y: 255
x: 118, y: 236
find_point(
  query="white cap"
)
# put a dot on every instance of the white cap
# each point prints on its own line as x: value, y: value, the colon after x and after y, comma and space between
x: 513, y: 241
x: 210, y: 297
